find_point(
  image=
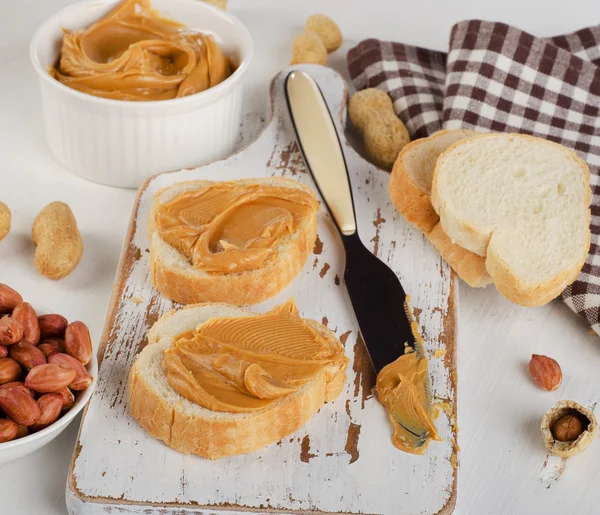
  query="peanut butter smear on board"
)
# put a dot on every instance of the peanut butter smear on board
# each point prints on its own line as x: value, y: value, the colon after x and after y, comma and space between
x: 135, y: 54
x: 230, y: 227
x: 243, y: 364
x: 403, y: 389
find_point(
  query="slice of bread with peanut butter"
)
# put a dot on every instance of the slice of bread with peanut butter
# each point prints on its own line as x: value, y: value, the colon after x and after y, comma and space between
x: 216, y: 380
x: 410, y: 191
x: 239, y: 242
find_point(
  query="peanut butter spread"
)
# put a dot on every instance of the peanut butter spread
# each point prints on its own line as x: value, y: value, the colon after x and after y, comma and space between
x: 403, y: 389
x: 135, y: 54
x: 230, y: 227
x: 242, y: 364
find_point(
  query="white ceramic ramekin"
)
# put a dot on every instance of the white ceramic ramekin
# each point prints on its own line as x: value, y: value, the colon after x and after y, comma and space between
x: 122, y: 143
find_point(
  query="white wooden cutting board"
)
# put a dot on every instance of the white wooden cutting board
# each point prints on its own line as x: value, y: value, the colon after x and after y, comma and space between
x: 342, y: 460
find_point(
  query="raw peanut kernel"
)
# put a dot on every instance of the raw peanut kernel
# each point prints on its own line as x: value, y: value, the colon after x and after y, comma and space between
x: 19, y: 406
x: 569, y: 427
x: 9, y: 298
x: 8, y: 430
x: 57, y: 343
x: 50, y: 406
x: 545, y: 372
x: 17, y: 384
x: 67, y: 397
x: 78, y: 342
x: 27, y: 355
x: 3, y: 351
x: 26, y: 315
x: 47, y: 349
x: 82, y: 378
x: 11, y: 331
x: 10, y: 370
x: 23, y: 431
x: 49, y: 378
x: 52, y: 325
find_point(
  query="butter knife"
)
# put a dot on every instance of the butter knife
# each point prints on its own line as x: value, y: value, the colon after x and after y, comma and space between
x: 377, y: 297
x: 375, y: 291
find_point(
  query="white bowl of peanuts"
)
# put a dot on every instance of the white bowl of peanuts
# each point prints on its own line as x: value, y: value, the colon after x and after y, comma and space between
x: 48, y: 372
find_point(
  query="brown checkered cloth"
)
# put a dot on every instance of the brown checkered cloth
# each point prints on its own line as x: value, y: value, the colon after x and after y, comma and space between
x: 499, y: 78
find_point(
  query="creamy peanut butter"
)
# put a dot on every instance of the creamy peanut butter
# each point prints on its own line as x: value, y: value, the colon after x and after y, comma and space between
x: 135, y: 54
x: 403, y: 389
x: 230, y: 227
x: 242, y: 364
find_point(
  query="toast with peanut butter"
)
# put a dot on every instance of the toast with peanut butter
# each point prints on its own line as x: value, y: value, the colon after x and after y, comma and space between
x: 239, y: 242
x: 216, y: 380
x: 410, y: 191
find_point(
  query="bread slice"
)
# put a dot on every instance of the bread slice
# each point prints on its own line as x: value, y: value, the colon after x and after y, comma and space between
x: 522, y: 203
x: 190, y: 428
x: 410, y: 190
x: 174, y: 276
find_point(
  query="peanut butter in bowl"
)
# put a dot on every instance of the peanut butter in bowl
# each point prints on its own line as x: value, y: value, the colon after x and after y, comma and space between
x: 128, y: 93
x: 133, y: 53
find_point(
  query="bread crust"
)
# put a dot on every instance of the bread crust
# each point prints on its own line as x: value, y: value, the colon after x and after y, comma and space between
x: 470, y: 267
x: 215, y: 435
x: 186, y: 285
x: 415, y: 205
x: 515, y: 290
x: 481, y: 241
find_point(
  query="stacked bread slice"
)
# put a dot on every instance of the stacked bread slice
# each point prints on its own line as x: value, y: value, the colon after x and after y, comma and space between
x: 507, y: 207
x: 410, y: 191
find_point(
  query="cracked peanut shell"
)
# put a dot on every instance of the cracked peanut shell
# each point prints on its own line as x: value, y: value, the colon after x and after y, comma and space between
x: 565, y: 449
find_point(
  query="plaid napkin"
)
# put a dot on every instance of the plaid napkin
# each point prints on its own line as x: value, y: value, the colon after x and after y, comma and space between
x: 496, y: 77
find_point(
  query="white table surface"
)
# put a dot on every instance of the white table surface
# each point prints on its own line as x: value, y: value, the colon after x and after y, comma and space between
x: 499, y: 407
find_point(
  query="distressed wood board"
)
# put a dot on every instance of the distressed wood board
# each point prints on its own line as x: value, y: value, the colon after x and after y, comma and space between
x: 342, y: 460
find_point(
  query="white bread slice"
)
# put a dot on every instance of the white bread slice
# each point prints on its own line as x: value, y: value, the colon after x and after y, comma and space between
x: 174, y: 276
x: 523, y: 203
x: 412, y: 175
x: 190, y: 428
x: 410, y: 190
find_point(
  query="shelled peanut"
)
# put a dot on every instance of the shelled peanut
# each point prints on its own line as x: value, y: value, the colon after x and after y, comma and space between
x: 545, y: 372
x: 42, y: 362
